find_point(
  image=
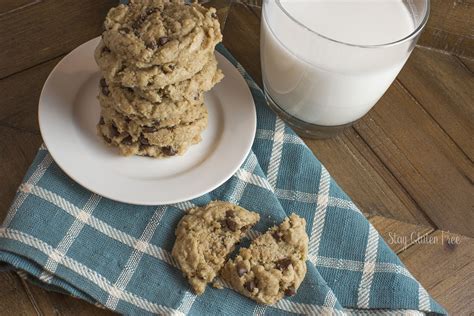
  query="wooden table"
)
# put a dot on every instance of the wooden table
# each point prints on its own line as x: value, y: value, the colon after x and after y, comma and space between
x: 408, y: 164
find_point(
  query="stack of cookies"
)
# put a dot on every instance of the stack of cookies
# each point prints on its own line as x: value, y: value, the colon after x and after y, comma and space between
x: 157, y: 60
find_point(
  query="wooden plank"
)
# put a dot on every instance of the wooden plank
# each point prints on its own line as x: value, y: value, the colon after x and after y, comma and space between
x: 468, y: 63
x: 436, y: 174
x: 20, y: 95
x: 14, y: 299
x: 32, y: 34
x: 445, y: 269
x: 21, y: 149
x: 10, y: 6
x: 349, y: 160
x: 444, y: 88
x: 51, y: 303
x: 450, y: 27
x: 364, y: 178
x: 399, y: 235
x: 447, y: 42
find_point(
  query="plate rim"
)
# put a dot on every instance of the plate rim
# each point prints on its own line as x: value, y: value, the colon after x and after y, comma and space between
x: 148, y: 202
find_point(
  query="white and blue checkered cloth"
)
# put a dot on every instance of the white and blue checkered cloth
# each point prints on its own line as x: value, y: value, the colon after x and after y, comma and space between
x: 65, y: 238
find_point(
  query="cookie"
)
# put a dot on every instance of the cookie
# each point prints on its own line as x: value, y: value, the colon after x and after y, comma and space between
x: 273, y: 266
x: 157, y: 115
x: 169, y: 101
x: 205, y: 237
x: 121, y: 72
x: 189, y: 89
x: 156, y: 32
x: 152, y: 141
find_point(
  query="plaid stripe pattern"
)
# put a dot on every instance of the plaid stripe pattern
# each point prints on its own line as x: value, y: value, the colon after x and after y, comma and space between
x: 63, y: 237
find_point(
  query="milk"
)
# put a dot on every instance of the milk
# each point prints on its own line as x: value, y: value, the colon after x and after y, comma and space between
x: 321, y: 81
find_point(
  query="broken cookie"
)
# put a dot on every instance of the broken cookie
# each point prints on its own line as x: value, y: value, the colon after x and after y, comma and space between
x: 204, y: 238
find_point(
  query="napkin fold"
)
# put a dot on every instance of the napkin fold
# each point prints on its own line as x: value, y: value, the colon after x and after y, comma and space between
x: 64, y: 238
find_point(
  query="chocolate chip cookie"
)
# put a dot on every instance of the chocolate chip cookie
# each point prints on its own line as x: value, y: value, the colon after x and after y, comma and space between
x: 170, y: 101
x: 189, y: 89
x: 158, y: 115
x: 120, y: 71
x: 273, y: 266
x: 157, y: 32
x: 152, y: 141
x: 204, y: 238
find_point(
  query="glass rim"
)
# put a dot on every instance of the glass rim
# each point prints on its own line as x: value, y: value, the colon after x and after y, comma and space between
x: 413, y: 34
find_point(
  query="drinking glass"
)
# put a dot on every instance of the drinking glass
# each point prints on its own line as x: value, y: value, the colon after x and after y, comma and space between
x: 320, y: 84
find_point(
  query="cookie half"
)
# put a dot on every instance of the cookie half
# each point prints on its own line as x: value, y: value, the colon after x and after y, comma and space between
x: 273, y: 266
x: 206, y: 236
x: 156, y: 32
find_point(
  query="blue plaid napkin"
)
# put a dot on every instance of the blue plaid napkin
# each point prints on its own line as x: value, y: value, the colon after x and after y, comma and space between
x: 63, y: 237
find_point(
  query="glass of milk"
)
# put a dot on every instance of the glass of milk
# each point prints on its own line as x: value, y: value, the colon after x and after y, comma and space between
x: 325, y: 63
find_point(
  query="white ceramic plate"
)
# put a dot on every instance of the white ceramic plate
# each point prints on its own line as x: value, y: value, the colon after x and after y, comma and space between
x: 69, y: 112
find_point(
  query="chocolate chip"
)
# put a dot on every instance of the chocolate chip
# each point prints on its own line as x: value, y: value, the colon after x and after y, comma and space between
x: 290, y: 291
x: 151, y: 11
x: 127, y: 120
x: 138, y: 22
x: 149, y: 129
x: 231, y: 224
x: 213, y: 15
x: 250, y: 285
x: 127, y: 140
x: 101, y: 121
x: 163, y: 40
x: 107, y: 140
x: 105, y: 91
x: 151, y: 45
x: 229, y: 213
x: 277, y: 235
x: 168, y: 151
x: 114, y: 131
x: 283, y: 263
x: 143, y: 140
x: 104, y: 87
x: 129, y: 90
x: 241, y: 271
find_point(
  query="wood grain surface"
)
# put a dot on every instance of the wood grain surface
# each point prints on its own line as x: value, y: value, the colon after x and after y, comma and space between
x: 450, y: 27
x: 408, y: 164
